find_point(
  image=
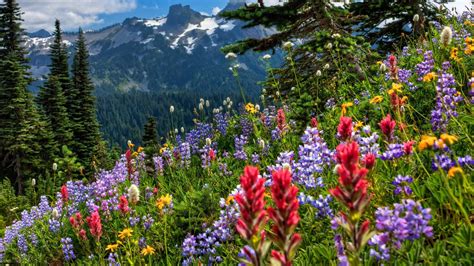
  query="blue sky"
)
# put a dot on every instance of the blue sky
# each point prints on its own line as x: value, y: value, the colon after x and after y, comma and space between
x: 94, y: 14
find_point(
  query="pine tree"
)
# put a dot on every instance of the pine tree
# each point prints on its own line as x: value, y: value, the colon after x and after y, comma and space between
x: 21, y: 126
x: 59, y: 63
x: 53, y: 104
x: 150, y: 136
x: 86, y: 127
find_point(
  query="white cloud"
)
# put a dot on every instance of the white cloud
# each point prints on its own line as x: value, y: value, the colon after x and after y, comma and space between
x: 40, y: 14
x: 216, y: 10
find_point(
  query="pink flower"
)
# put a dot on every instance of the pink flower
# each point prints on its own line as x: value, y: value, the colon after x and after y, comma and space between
x: 64, y: 193
x: 369, y: 161
x: 123, y: 205
x: 95, y: 225
x: 345, y: 127
x: 387, y: 125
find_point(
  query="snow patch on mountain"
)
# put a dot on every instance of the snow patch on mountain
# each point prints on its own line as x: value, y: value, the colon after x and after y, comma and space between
x: 155, y: 22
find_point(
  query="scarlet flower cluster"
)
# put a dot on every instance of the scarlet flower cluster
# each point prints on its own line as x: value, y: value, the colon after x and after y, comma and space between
x: 253, y: 215
x: 392, y: 60
x: 123, y: 205
x: 344, y: 129
x: 76, y: 220
x: 95, y: 225
x: 387, y: 126
x: 285, y: 217
x: 64, y: 193
x: 128, y: 157
x: 281, y: 119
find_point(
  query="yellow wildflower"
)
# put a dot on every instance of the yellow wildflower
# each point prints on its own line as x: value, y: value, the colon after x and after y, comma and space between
x: 112, y: 247
x: 376, y: 99
x: 455, y: 170
x: 134, y: 154
x: 426, y: 142
x: 455, y: 54
x: 140, y: 149
x: 130, y: 144
x: 344, y: 107
x: 358, y: 125
x: 448, y: 139
x: 229, y: 200
x: 250, y: 108
x: 127, y: 232
x: 396, y: 87
x: 429, y: 77
x: 469, y: 45
x: 164, y: 201
x: 148, y: 251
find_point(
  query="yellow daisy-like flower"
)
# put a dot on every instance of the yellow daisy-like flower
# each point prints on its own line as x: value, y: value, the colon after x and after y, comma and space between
x: 358, y: 125
x: 127, y: 232
x: 229, y: 200
x: 376, y: 99
x: 469, y: 45
x: 164, y: 201
x: 426, y: 142
x: 448, y: 139
x: 344, y: 107
x: 396, y: 87
x: 455, y: 54
x: 250, y: 108
x: 140, y: 149
x: 455, y: 170
x: 112, y: 247
x: 429, y: 77
x: 148, y: 250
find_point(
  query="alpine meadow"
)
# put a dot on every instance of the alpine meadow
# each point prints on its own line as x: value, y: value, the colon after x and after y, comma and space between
x: 291, y: 132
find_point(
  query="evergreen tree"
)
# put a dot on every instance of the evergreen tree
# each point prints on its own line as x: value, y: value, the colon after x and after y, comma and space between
x: 59, y: 63
x: 86, y: 128
x: 53, y: 104
x: 21, y: 126
x: 150, y: 136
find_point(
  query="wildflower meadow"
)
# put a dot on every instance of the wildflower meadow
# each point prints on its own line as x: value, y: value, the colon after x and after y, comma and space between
x: 382, y: 176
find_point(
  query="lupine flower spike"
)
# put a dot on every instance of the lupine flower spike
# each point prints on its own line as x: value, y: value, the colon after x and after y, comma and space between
x: 285, y: 217
x: 252, y: 216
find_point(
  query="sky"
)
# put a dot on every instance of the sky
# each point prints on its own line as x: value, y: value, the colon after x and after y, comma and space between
x: 96, y: 14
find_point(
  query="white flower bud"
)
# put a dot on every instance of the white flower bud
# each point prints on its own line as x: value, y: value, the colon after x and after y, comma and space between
x: 267, y: 57
x: 446, y: 35
x: 336, y: 35
x: 208, y: 141
x: 336, y: 169
x: 288, y: 45
x: 326, y: 66
x: 264, y: 91
x: 329, y: 46
x: 277, y: 94
x: 55, y: 166
x: 176, y: 131
x: 171, y: 109
x: 319, y: 73
x: 55, y: 213
x: 33, y: 182
x: 257, y: 107
x: 133, y: 194
x: 208, y: 103
x: 416, y: 18
x: 182, y: 129
x: 261, y: 144
x: 201, y: 106
x: 231, y: 56
x: 383, y: 68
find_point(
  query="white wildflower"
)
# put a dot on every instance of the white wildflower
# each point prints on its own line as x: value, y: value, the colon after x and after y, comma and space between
x: 288, y: 45
x: 55, y: 166
x: 133, y: 194
x: 416, y: 18
x: 231, y: 56
x: 171, y: 109
x: 267, y: 57
x: 446, y: 35
x: 319, y: 73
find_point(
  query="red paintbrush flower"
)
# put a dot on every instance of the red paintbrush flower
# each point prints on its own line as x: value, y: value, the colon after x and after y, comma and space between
x: 95, y: 225
x: 281, y: 119
x: 314, y: 122
x: 82, y: 234
x: 64, y: 193
x: 369, y: 161
x: 285, y: 217
x: 253, y: 216
x: 212, y: 154
x: 352, y: 193
x: 123, y: 205
x: 387, y: 125
x: 344, y: 129
x: 128, y: 157
x: 393, y: 67
x: 408, y: 147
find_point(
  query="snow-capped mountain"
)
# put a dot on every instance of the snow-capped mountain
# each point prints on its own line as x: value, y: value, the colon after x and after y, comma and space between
x: 180, y: 51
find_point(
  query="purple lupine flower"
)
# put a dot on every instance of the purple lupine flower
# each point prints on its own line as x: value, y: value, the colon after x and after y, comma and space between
x: 22, y: 244
x: 394, y: 151
x: 406, y: 221
x: 142, y: 242
x: 112, y: 260
x: 68, y: 249
x: 276, y: 134
x: 134, y: 221
x: 159, y: 165
x: 442, y: 161
x: 201, y: 132
x: 341, y: 254
x: 426, y: 66
x: 54, y: 225
x: 402, y: 185
x: 314, y: 155
x: 222, y: 122
x: 369, y: 143
x: 185, y: 154
x: 223, y: 169
x: 239, y: 153
x: 465, y: 161
x: 255, y: 158
x: 405, y: 50
x: 321, y: 204
x: 404, y: 75
x: 247, y: 126
x: 331, y: 103
x: 446, y: 100
x: 147, y: 221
